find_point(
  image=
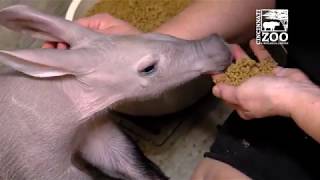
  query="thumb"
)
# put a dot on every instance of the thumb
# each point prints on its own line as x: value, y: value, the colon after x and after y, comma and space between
x: 226, y: 92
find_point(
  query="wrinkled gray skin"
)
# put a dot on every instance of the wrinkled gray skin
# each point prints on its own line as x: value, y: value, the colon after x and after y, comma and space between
x: 49, y: 98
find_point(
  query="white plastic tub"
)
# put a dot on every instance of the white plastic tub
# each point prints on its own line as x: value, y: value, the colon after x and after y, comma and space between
x: 78, y: 8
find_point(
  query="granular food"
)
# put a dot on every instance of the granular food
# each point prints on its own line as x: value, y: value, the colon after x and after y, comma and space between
x: 244, y: 69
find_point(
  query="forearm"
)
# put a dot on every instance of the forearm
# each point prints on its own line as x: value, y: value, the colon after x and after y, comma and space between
x: 305, y: 110
x: 233, y: 19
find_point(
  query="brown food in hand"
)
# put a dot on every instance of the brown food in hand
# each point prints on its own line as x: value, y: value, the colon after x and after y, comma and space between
x: 244, y: 69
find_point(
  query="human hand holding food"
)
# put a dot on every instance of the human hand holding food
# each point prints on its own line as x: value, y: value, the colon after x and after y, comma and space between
x: 264, y: 95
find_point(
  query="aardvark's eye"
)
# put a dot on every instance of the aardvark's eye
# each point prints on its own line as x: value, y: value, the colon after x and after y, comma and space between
x: 148, y: 70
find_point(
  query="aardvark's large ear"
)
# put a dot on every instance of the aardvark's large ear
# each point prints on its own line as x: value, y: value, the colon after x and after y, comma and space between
x: 49, y: 62
x: 24, y: 19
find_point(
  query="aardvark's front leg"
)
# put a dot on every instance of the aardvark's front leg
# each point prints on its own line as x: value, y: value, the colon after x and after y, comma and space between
x: 107, y: 148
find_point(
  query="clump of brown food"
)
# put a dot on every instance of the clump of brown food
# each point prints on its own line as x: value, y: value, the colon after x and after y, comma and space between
x: 244, y: 69
x: 146, y: 15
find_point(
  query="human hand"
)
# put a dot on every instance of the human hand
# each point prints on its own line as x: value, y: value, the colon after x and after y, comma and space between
x: 266, y: 95
x: 103, y: 23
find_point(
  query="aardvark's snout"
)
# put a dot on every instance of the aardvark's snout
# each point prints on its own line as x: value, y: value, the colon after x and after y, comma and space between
x: 215, y: 54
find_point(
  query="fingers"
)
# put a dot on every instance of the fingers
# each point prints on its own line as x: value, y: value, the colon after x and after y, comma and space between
x: 238, y: 52
x: 218, y: 77
x: 55, y: 45
x: 244, y: 115
x: 62, y: 46
x: 82, y: 21
x: 98, y: 21
x: 93, y: 22
x: 49, y: 45
x: 226, y: 92
x: 229, y: 95
x: 59, y: 45
x: 259, y: 51
x: 85, y: 22
x: 106, y: 17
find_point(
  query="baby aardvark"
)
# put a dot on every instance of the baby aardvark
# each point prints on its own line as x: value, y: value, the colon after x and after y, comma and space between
x: 54, y: 103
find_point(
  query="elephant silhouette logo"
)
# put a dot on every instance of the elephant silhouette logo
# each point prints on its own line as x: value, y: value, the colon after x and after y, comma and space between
x: 272, y: 26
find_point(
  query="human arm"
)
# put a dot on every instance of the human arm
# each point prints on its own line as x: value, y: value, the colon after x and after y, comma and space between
x: 103, y: 23
x: 233, y: 19
x: 304, y: 109
x: 107, y: 24
x: 286, y: 93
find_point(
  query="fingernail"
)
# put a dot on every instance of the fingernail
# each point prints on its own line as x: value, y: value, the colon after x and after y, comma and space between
x: 216, y: 91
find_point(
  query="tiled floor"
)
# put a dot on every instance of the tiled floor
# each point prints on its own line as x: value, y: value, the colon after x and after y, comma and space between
x: 179, y: 156
x: 192, y: 131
